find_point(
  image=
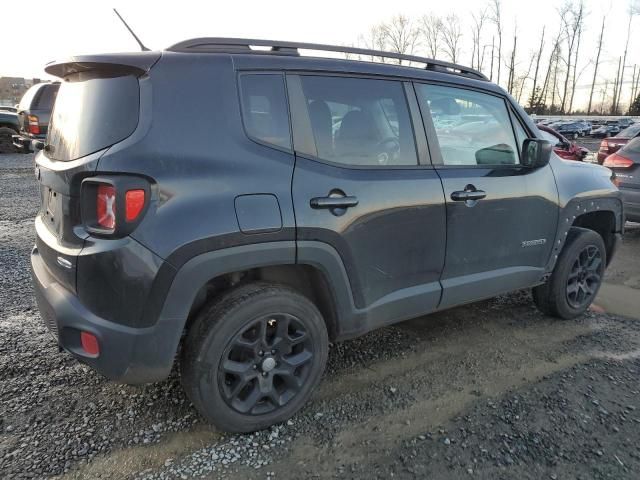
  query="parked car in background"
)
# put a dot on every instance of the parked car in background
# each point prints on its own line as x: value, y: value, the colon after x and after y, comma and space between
x: 625, y: 122
x: 9, y: 126
x: 585, y: 126
x: 34, y: 112
x: 612, y: 144
x: 7, y: 108
x: 625, y: 163
x: 562, y: 146
x: 605, y: 130
x: 570, y: 129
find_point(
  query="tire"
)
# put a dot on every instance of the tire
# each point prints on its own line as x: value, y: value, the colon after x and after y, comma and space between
x: 6, y: 142
x: 222, y: 370
x: 576, y: 278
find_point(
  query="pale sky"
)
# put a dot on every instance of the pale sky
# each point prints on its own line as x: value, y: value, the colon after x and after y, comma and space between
x: 55, y: 29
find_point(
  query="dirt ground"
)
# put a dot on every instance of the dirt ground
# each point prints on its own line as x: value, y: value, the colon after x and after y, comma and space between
x: 490, y: 390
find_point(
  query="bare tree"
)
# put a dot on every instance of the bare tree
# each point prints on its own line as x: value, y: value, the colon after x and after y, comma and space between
x: 616, y: 90
x: 535, y: 75
x: 479, y: 18
x: 520, y: 82
x: 595, y: 69
x: 633, y: 10
x: 400, y: 36
x: 572, y: 17
x: 575, y: 77
x: 496, y: 18
x: 512, y: 62
x: 493, y: 48
x: 451, y: 35
x: 375, y: 39
x: 430, y: 31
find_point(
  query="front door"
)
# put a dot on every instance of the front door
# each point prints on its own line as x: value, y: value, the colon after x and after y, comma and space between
x: 359, y: 188
x: 501, y: 216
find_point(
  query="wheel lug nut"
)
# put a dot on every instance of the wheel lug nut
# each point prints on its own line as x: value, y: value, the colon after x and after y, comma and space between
x: 273, y: 352
x: 261, y: 353
x: 264, y: 374
x: 255, y: 367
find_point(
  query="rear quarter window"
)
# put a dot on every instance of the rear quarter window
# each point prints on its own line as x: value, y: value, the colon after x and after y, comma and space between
x: 265, y: 112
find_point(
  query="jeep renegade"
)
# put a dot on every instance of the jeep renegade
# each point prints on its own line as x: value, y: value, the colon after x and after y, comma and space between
x: 234, y: 206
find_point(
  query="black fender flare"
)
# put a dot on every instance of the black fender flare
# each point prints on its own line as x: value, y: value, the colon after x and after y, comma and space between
x: 574, y: 209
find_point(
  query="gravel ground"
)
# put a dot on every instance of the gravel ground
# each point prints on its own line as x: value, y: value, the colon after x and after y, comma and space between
x: 490, y: 390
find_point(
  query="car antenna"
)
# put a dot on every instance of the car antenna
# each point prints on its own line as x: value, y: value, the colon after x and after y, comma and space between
x: 144, y: 49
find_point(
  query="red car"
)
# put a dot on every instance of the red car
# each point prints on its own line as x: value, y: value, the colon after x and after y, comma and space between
x: 563, y: 147
x: 612, y: 144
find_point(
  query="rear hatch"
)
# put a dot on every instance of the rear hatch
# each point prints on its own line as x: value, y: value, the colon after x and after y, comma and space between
x: 97, y: 106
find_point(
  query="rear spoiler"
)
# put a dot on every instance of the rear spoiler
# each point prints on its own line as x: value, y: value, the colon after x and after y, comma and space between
x: 137, y: 63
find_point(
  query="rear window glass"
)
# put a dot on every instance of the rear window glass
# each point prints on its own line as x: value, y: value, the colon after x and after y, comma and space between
x: 264, y: 109
x: 630, y: 132
x: 92, y: 113
x: 632, y: 147
x: 47, y: 97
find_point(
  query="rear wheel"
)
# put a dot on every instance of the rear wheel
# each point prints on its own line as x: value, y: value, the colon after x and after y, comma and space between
x: 253, y: 357
x: 576, y: 278
x: 6, y: 142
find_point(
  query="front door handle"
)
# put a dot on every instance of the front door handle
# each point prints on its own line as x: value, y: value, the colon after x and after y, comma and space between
x: 334, y: 202
x: 465, y: 195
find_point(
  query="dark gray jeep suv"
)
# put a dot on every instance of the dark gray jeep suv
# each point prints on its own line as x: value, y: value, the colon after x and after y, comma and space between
x: 240, y: 208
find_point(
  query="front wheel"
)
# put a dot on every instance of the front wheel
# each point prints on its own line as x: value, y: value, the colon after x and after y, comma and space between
x: 253, y: 357
x: 576, y: 278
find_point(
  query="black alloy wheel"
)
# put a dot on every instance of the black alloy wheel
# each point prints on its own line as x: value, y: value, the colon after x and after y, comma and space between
x: 584, y: 277
x: 265, y: 365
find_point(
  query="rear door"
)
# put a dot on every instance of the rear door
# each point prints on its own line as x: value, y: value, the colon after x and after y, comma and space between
x: 363, y: 187
x: 501, y: 216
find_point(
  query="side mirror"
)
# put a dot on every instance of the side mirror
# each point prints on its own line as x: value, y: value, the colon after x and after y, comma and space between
x: 536, y: 153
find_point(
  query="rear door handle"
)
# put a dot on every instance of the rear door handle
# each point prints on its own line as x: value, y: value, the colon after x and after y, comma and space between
x: 333, y: 202
x: 466, y: 195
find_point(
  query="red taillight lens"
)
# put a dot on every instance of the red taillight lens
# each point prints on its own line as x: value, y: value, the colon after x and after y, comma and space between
x: 618, y: 161
x: 134, y: 203
x: 106, y: 206
x: 89, y: 343
x: 34, y: 127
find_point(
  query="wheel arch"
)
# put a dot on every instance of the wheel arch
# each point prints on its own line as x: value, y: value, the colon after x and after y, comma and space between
x: 321, y: 278
x: 602, y: 215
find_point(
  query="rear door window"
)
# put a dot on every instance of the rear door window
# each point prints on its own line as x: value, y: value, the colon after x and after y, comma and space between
x: 359, y: 121
x: 472, y: 128
x: 264, y: 109
x: 92, y: 113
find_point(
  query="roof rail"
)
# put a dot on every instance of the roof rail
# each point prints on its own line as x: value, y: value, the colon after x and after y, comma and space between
x: 243, y: 45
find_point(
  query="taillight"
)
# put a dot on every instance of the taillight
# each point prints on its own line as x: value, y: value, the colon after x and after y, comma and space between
x: 113, y: 205
x: 33, y: 127
x: 134, y: 203
x: 106, y: 206
x: 617, y: 160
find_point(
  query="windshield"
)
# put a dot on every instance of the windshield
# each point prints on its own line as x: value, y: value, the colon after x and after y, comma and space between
x: 92, y: 113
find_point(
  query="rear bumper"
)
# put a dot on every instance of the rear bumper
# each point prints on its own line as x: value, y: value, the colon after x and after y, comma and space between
x: 127, y: 354
x: 25, y: 143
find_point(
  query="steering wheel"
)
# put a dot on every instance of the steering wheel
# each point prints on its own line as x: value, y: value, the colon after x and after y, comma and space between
x: 387, y: 149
